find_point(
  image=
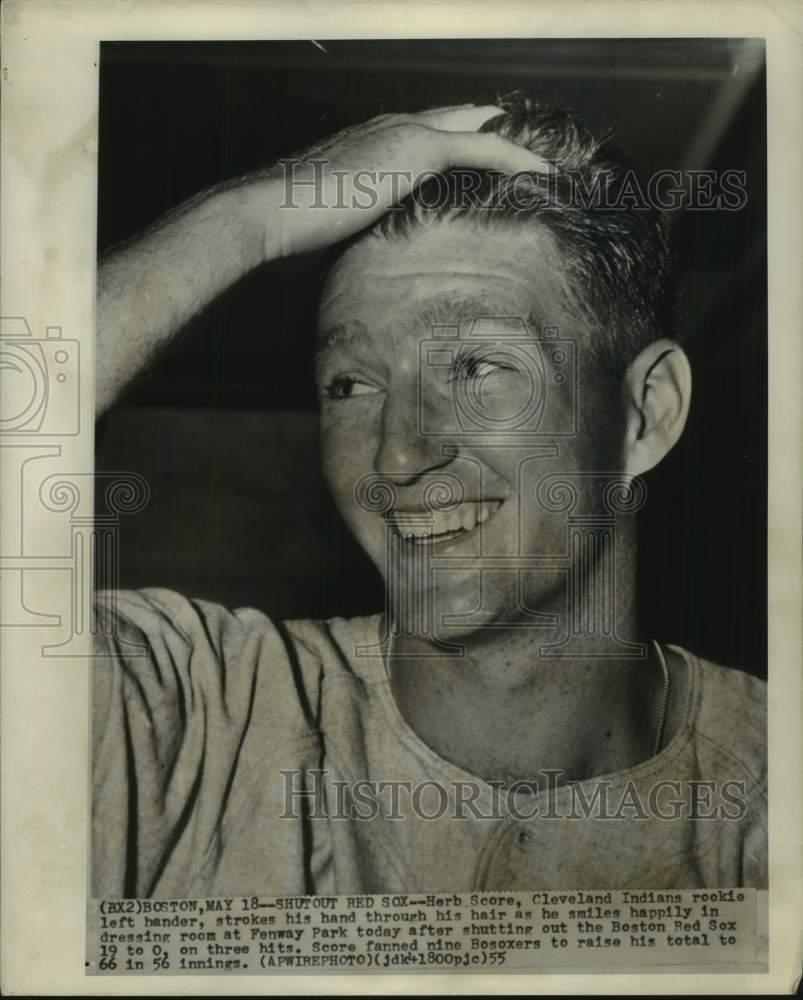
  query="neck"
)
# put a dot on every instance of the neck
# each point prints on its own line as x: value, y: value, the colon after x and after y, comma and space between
x: 522, y: 699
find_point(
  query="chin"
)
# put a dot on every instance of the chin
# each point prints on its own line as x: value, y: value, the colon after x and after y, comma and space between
x: 461, y: 608
x: 498, y: 608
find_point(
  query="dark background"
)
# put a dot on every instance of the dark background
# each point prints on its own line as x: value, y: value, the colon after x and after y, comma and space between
x: 224, y: 427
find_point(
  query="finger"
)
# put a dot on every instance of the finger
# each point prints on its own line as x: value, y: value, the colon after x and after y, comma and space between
x: 432, y: 117
x: 465, y: 118
x: 488, y: 151
x: 437, y: 109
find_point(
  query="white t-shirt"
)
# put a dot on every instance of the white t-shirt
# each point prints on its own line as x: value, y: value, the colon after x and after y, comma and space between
x: 235, y: 755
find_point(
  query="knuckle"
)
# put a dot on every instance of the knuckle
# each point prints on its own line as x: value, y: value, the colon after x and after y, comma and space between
x: 411, y: 131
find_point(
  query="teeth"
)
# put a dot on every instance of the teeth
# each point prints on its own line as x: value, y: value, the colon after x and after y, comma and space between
x: 464, y: 518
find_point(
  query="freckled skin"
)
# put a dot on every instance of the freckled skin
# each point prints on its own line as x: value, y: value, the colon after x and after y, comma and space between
x: 383, y: 293
x: 498, y: 710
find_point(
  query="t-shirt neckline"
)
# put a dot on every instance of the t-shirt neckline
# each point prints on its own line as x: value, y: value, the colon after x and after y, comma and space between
x: 405, y: 732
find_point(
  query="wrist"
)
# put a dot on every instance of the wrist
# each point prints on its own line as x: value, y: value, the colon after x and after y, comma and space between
x: 247, y: 208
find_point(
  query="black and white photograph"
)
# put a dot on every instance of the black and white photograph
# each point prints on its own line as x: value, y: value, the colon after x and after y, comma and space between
x: 445, y: 363
x: 401, y: 541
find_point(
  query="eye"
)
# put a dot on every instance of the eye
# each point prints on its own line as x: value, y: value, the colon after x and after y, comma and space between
x: 347, y: 387
x: 477, y: 366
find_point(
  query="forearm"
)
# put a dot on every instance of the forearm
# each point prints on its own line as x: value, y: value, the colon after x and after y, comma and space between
x: 151, y: 287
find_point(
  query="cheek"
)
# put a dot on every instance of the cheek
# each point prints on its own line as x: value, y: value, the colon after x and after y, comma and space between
x: 600, y: 424
x: 337, y: 458
x: 347, y: 457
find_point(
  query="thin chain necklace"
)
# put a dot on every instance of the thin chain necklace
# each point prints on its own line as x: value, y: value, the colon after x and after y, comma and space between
x: 659, y: 736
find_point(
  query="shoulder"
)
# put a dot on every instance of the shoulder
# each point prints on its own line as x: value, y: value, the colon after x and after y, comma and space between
x: 348, y: 645
x: 731, y: 713
x: 204, y: 642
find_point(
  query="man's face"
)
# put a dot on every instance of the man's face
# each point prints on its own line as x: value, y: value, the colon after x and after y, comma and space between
x: 407, y: 403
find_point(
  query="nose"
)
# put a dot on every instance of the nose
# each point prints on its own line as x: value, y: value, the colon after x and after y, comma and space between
x: 406, y: 450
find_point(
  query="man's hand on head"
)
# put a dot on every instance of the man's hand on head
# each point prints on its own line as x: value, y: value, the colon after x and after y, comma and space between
x: 347, y: 182
x: 150, y: 287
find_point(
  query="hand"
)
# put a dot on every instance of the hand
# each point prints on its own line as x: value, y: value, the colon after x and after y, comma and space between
x: 350, y: 180
x: 150, y: 287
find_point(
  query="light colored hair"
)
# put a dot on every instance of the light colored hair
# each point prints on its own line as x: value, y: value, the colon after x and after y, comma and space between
x: 616, y: 255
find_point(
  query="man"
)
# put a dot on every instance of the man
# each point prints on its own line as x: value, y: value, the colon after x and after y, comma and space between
x: 495, y: 374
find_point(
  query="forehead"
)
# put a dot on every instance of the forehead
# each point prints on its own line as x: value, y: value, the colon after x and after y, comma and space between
x: 447, y: 273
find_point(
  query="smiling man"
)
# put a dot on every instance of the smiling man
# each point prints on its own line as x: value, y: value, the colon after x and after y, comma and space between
x: 495, y: 373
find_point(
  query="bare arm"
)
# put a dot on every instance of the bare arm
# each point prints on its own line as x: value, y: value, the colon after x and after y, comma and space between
x: 149, y: 288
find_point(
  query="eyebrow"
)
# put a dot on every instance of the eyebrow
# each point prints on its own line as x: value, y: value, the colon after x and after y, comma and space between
x: 448, y: 308
x: 451, y: 308
x: 349, y: 334
x: 344, y: 335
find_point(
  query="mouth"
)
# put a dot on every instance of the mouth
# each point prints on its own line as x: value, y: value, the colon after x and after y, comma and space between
x: 434, y: 527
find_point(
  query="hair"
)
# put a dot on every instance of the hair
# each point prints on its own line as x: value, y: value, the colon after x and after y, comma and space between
x: 613, y: 245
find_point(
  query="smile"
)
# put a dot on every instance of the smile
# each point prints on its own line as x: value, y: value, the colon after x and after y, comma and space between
x: 431, y: 527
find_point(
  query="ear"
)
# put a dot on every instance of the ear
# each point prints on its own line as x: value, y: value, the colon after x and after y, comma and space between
x: 657, y: 393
